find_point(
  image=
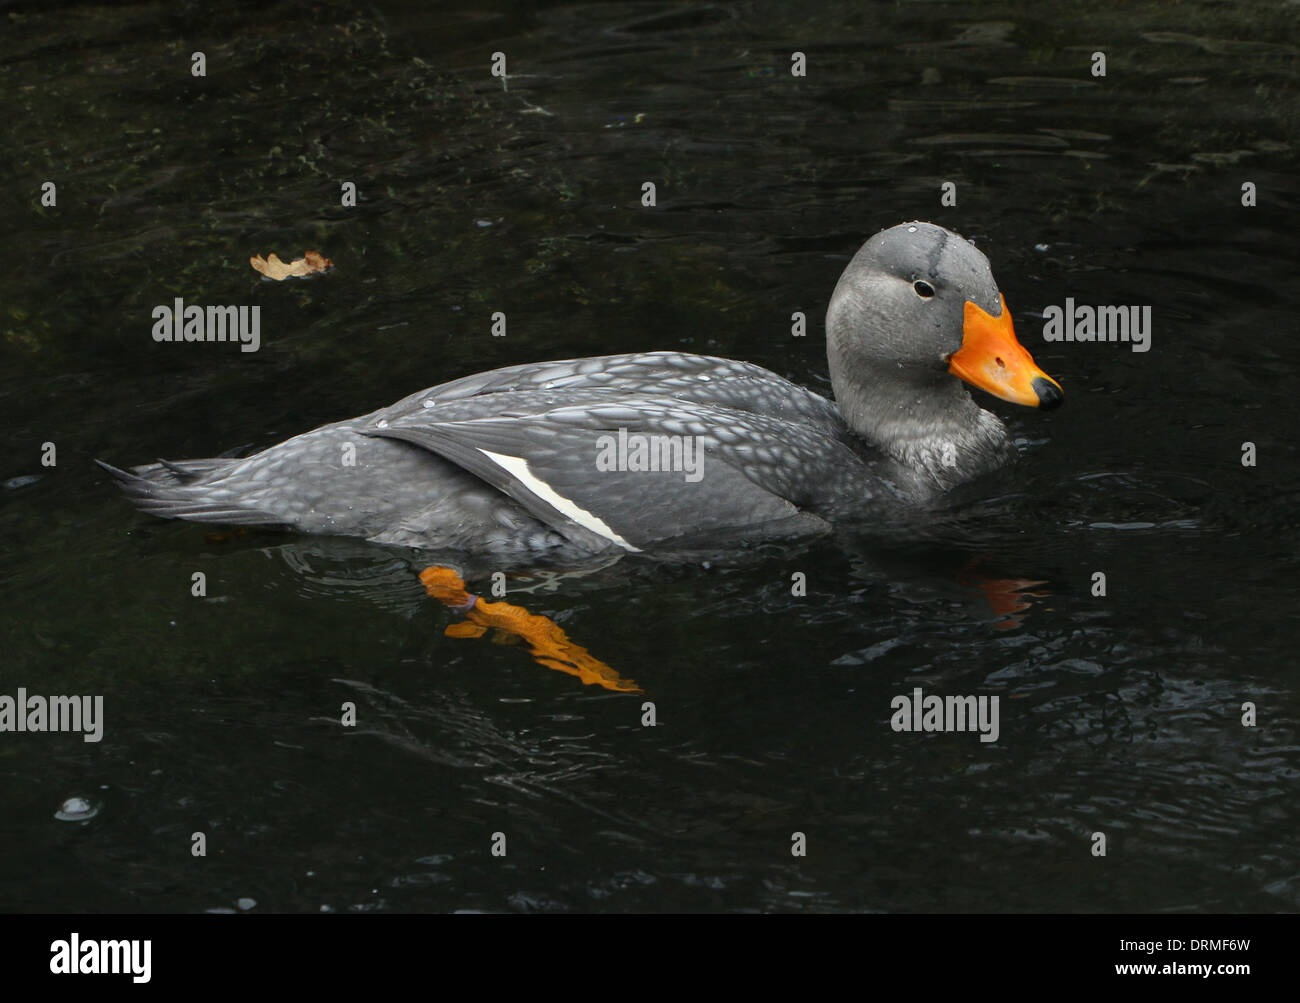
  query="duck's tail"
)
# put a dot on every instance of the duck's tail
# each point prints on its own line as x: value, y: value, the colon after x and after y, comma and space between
x: 183, y: 489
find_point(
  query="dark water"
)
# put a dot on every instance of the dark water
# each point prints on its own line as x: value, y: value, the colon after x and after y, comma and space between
x: 1119, y: 714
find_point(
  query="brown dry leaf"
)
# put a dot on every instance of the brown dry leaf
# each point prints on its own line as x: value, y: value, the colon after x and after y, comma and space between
x: 273, y: 268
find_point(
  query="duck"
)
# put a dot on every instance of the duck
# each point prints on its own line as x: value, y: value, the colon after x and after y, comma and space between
x: 630, y: 452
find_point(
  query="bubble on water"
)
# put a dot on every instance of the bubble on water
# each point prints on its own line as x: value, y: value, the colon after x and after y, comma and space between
x: 244, y: 904
x: 427, y: 402
x: 1041, y: 248
x: 911, y: 229
x: 381, y: 423
x: 76, y: 810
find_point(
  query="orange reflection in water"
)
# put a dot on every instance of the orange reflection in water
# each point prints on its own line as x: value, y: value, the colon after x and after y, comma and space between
x: 547, y: 643
x: 1005, y: 596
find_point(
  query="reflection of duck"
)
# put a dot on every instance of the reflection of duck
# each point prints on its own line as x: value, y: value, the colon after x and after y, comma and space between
x: 544, y: 454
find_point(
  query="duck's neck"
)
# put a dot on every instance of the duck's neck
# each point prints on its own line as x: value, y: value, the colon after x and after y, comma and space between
x: 925, y: 421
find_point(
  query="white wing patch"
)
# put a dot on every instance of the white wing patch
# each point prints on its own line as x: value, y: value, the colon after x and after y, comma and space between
x: 517, y: 468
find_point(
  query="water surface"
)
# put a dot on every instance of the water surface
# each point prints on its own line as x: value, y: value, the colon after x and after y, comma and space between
x: 1119, y: 714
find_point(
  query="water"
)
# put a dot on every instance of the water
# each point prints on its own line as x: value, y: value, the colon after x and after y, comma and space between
x: 1119, y: 715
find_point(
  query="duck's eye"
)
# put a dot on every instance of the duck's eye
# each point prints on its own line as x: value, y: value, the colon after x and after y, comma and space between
x: 923, y: 288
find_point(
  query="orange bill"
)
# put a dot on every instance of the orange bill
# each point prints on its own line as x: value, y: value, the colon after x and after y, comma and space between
x: 992, y: 359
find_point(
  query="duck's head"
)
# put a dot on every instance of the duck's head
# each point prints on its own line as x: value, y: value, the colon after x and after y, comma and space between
x: 916, y: 311
x: 922, y: 300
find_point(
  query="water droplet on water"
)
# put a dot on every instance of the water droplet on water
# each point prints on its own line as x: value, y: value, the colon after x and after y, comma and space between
x: 244, y: 904
x: 427, y: 402
x: 382, y: 423
x: 911, y: 229
x: 76, y: 810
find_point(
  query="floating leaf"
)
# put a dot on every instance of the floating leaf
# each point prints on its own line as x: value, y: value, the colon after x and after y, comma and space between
x: 273, y: 268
